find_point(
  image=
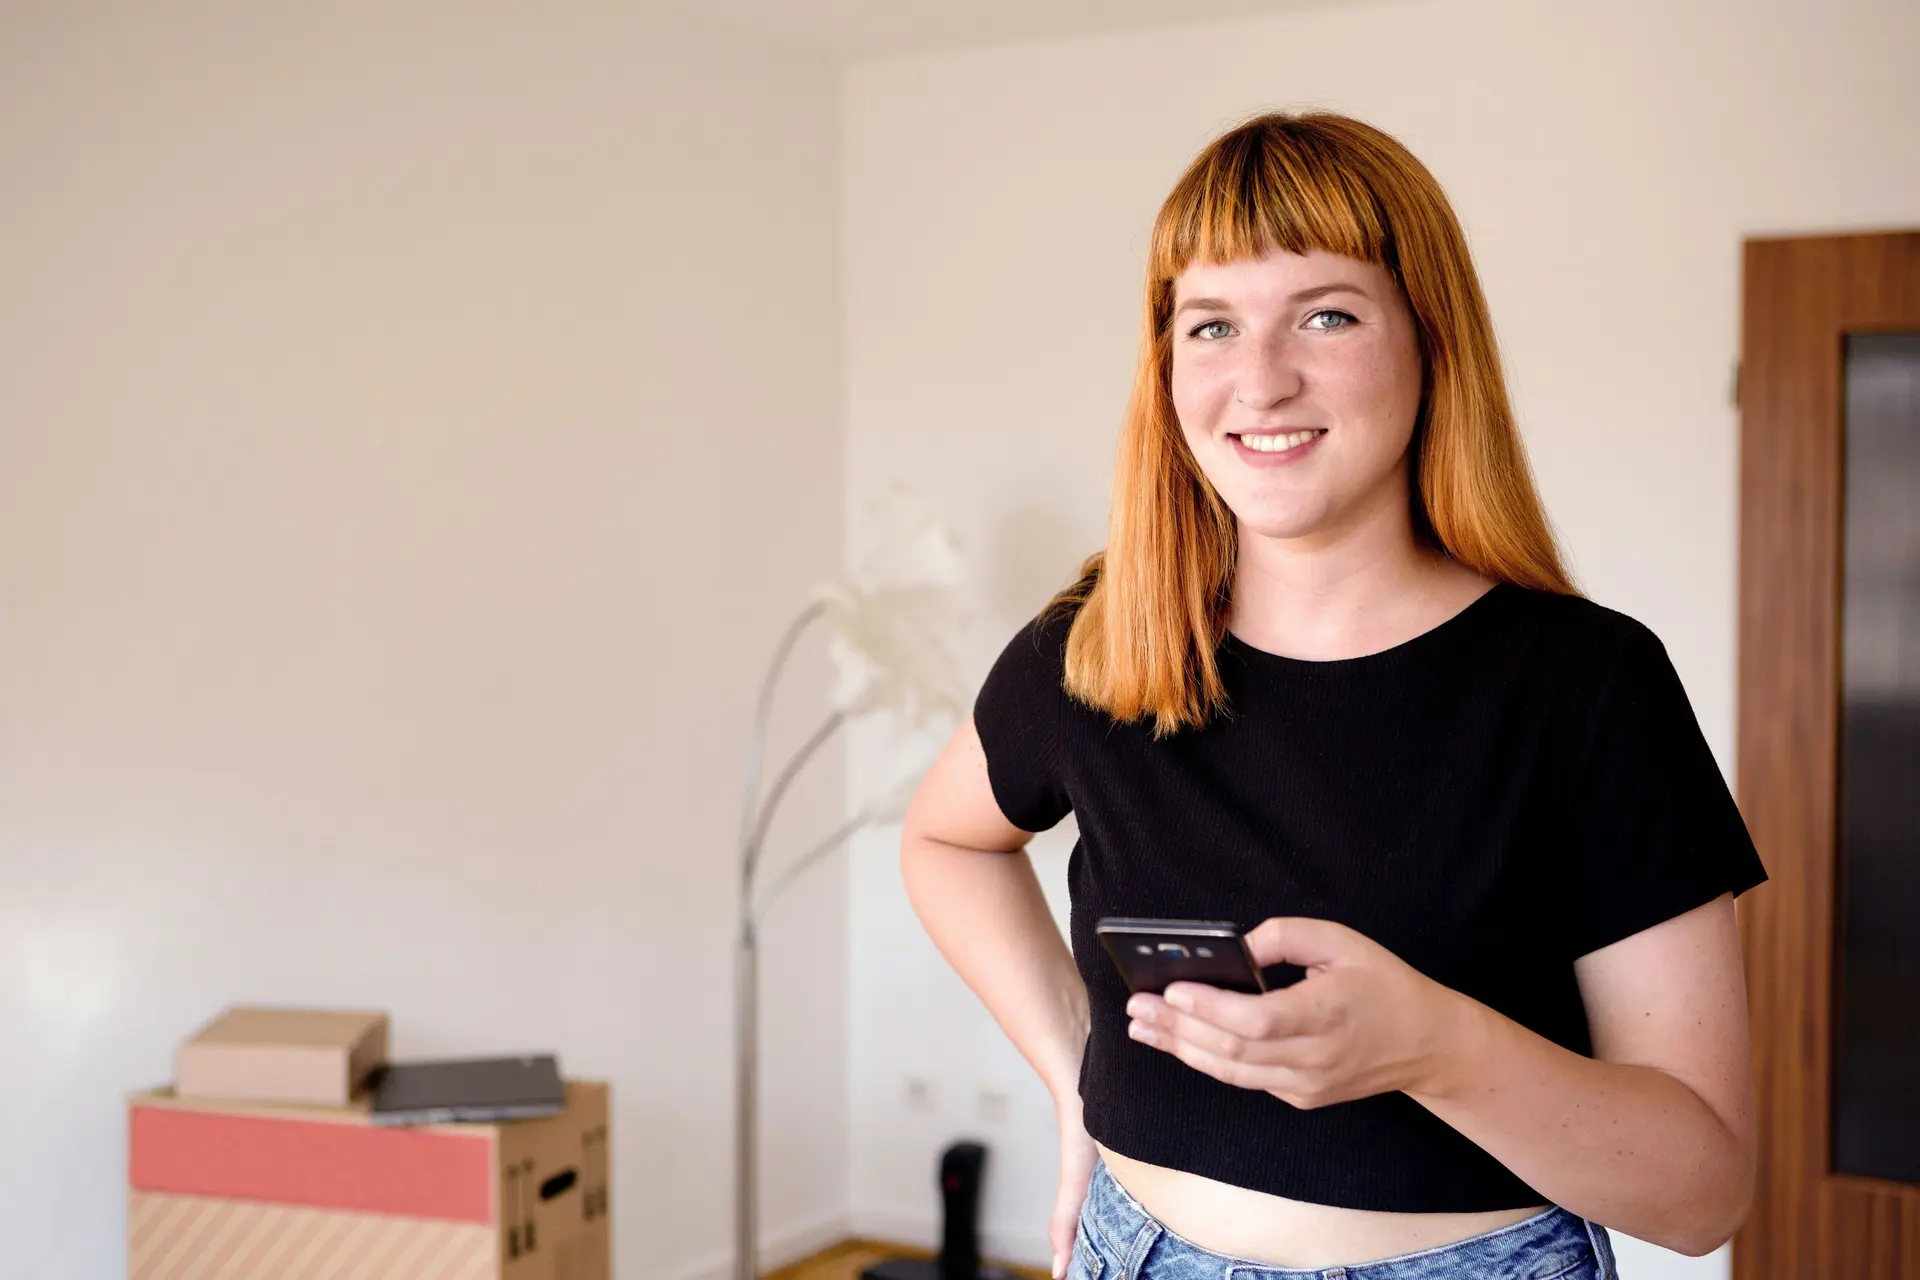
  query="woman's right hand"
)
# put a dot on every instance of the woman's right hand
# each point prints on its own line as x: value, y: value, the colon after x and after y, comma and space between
x: 1077, y: 1158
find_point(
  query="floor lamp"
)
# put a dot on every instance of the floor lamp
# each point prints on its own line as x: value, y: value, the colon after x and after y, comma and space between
x: 890, y: 625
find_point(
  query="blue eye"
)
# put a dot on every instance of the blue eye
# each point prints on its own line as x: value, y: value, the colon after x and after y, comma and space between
x: 1200, y: 330
x: 1313, y: 321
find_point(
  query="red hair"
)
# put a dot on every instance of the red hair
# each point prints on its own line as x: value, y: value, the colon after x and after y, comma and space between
x: 1153, y: 605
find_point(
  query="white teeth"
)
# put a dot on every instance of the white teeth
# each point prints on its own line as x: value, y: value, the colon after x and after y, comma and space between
x: 1277, y: 443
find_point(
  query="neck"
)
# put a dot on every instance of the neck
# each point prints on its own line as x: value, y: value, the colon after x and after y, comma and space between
x: 1347, y: 591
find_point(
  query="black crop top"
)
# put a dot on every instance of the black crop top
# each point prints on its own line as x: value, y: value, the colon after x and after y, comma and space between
x: 1521, y: 785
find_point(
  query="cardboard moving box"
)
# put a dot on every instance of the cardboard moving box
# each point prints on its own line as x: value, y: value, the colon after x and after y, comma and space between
x: 220, y: 1189
x: 315, y: 1056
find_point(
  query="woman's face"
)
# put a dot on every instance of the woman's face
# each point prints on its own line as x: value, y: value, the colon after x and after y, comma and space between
x: 1297, y: 379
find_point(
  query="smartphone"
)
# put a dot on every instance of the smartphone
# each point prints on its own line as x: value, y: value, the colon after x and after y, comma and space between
x: 1152, y: 953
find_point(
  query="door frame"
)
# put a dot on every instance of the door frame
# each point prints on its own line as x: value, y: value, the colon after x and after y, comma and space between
x: 1801, y: 297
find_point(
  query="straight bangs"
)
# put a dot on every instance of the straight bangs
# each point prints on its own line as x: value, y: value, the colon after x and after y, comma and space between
x: 1258, y: 193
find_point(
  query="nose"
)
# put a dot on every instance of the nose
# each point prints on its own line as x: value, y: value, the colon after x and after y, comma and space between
x: 1269, y: 376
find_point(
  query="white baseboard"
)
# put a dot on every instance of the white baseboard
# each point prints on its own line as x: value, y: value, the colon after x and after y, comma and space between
x: 777, y: 1249
x: 1029, y: 1249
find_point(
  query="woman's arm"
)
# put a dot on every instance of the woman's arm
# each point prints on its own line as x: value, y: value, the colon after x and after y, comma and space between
x: 1653, y: 1136
x: 971, y: 883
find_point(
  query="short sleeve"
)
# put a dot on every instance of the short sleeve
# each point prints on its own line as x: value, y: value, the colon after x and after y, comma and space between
x: 1651, y: 830
x: 1017, y: 715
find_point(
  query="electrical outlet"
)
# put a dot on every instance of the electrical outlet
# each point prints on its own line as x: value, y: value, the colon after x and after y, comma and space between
x: 994, y: 1103
x: 919, y: 1093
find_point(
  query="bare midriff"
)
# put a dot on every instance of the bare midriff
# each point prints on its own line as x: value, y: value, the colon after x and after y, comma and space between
x: 1290, y: 1233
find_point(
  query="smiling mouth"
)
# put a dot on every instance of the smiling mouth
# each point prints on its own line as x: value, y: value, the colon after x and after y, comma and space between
x: 1277, y: 441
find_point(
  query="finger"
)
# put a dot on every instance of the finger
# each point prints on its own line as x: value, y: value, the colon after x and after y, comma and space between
x: 1302, y: 940
x: 1237, y: 1072
x: 1062, y: 1242
x: 1296, y: 1086
x: 1274, y: 1015
x: 1163, y: 1026
x: 1063, y: 1229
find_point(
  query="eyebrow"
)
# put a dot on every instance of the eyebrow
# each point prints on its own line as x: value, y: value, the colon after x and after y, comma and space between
x: 1305, y: 295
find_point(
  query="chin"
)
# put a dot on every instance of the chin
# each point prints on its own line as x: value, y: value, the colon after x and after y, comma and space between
x: 1278, y: 522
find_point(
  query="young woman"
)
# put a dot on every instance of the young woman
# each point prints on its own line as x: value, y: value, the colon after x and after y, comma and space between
x: 1330, y: 682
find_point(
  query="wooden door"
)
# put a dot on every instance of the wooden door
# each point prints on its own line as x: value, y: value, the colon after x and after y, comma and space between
x: 1813, y: 308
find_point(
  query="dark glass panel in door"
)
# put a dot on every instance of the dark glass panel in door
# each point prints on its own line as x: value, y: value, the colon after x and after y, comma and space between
x: 1876, y: 1062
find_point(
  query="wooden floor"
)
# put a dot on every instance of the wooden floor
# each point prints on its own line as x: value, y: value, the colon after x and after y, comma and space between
x: 843, y: 1261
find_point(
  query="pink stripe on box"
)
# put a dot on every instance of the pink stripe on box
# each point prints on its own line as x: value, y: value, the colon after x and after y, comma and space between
x: 320, y: 1163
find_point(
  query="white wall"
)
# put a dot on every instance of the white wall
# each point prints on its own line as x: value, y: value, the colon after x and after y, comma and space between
x: 416, y: 423
x: 1607, y: 156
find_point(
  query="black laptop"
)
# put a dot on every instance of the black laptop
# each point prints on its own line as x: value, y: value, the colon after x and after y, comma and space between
x: 468, y: 1089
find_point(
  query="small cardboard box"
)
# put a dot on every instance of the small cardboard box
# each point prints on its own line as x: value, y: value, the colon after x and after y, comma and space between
x: 284, y: 1193
x: 318, y: 1057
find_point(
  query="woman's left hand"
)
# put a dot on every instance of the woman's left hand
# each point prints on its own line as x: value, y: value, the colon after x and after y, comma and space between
x: 1362, y: 1022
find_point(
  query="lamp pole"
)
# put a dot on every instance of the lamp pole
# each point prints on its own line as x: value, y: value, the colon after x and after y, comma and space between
x: 746, y: 1172
x: 756, y: 817
x: 893, y: 627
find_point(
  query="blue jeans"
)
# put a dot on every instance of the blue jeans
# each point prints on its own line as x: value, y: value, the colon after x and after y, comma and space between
x: 1118, y: 1240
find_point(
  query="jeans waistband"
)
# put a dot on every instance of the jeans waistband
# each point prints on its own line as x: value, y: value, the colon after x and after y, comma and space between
x: 1132, y: 1244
